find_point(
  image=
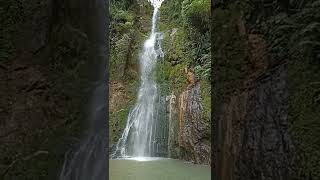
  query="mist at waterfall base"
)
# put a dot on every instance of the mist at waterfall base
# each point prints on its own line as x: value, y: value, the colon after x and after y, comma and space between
x: 146, y: 131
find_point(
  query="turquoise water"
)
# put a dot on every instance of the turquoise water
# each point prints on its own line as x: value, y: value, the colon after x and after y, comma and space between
x: 156, y: 169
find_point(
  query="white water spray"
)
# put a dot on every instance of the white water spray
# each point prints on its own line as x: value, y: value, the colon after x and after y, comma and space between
x: 139, y: 137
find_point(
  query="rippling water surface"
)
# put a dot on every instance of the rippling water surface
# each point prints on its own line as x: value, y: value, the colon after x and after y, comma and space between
x: 142, y: 168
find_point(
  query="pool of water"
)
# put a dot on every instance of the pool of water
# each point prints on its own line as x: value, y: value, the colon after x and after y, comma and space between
x: 142, y: 168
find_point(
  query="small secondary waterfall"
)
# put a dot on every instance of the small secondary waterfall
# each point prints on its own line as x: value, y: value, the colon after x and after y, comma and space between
x: 146, y: 130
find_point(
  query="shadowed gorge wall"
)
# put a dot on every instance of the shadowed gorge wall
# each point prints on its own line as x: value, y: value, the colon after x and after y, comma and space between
x: 260, y: 113
x: 46, y: 49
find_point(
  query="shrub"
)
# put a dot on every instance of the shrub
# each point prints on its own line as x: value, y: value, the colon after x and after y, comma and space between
x: 197, y: 13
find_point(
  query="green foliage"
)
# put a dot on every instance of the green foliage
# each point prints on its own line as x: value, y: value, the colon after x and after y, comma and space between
x: 171, y: 78
x: 202, y: 55
x: 122, y: 30
x: 188, y: 47
x: 197, y: 12
x: 172, y: 10
x: 117, y: 123
x: 203, y: 71
x: 125, y: 4
x: 122, y: 21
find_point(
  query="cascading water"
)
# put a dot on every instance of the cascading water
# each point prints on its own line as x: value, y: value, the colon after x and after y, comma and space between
x: 145, y: 133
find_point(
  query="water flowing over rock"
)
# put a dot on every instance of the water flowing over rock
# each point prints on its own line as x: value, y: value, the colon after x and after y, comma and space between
x: 156, y: 3
x: 144, y: 134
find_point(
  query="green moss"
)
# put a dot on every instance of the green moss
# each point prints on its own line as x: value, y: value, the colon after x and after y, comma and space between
x: 197, y: 13
x: 118, y: 117
x: 171, y: 78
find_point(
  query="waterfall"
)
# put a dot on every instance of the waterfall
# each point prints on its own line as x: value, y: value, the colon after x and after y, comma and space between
x: 145, y: 132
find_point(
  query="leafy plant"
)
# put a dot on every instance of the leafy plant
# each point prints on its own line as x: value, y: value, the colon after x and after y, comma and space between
x: 197, y: 13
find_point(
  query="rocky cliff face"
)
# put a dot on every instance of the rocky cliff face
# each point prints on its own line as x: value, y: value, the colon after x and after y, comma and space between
x: 44, y: 83
x: 254, y: 62
x: 184, y: 75
x: 252, y: 130
x: 188, y: 132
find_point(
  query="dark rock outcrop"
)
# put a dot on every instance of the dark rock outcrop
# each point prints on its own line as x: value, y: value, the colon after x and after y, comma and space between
x: 252, y: 138
x: 188, y: 132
